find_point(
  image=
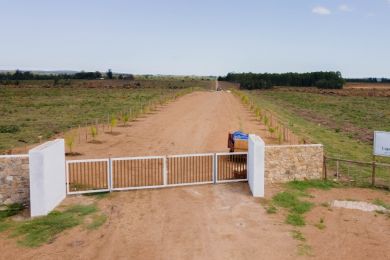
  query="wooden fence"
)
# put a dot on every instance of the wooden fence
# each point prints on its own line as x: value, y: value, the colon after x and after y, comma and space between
x: 357, y: 173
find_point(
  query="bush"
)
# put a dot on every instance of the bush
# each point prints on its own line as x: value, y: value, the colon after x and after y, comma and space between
x: 9, y: 129
x: 329, y: 84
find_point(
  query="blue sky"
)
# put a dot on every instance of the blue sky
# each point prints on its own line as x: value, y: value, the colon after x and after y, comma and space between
x: 197, y: 37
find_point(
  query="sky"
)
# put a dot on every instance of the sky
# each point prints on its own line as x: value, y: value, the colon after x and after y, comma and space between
x: 199, y: 37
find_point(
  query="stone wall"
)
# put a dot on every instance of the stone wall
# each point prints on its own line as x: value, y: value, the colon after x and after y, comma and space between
x: 285, y: 163
x: 14, y: 179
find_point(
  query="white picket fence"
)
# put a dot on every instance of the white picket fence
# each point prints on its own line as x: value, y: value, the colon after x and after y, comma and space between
x: 131, y: 173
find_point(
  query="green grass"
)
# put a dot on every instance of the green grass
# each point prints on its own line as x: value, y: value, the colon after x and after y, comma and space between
x: 11, y: 210
x: 291, y: 199
x: 271, y: 209
x: 295, y: 206
x: 312, y: 184
x: 292, y: 202
x: 82, y: 210
x: 40, y: 230
x: 295, y: 220
x: 97, y: 221
x: 52, y: 110
x: 5, y: 225
x: 380, y: 202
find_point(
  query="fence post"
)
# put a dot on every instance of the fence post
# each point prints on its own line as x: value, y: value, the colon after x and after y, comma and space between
x: 337, y: 169
x: 215, y: 168
x: 110, y: 179
x: 325, y: 171
x: 373, y: 171
x: 165, y: 171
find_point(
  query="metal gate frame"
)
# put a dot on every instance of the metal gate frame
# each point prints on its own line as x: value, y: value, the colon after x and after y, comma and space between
x: 67, y: 163
x: 191, y: 155
x: 165, y: 171
x: 135, y: 159
x: 216, y: 167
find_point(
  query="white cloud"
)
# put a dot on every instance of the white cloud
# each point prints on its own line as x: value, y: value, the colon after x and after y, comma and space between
x: 321, y: 10
x: 346, y: 8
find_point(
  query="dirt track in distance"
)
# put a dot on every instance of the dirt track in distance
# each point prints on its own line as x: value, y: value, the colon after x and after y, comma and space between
x: 196, y: 123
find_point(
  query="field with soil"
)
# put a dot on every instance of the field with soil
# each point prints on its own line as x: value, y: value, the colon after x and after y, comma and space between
x: 37, y: 110
x: 344, y: 124
x: 350, y: 89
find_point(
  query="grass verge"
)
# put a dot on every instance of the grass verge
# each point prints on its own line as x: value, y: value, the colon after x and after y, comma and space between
x: 11, y: 210
x: 37, y: 231
x: 380, y: 202
x: 312, y: 184
x: 291, y: 199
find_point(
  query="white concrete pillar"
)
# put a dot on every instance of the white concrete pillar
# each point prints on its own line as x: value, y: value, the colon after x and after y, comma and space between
x: 255, y: 161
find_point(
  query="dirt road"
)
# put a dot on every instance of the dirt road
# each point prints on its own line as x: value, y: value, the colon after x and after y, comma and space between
x: 196, y: 123
x: 216, y: 222
x: 200, y: 222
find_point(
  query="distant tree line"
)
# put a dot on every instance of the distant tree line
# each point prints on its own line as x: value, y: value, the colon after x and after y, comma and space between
x: 369, y: 80
x: 269, y: 80
x: 28, y: 75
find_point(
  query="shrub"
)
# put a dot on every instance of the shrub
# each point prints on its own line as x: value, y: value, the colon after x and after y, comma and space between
x: 265, y: 120
x: 113, y: 123
x: 125, y: 119
x: 9, y: 129
x: 94, y: 132
x: 329, y: 84
x: 69, y: 141
x: 271, y: 130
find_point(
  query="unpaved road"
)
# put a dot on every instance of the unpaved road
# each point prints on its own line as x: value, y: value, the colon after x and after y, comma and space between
x: 199, y: 222
x: 196, y: 123
x: 216, y: 222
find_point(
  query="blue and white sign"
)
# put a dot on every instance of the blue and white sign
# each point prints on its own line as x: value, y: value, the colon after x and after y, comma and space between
x: 382, y: 143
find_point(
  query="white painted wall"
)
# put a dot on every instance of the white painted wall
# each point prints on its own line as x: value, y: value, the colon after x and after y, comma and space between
x: 47, y: 177
x: 256, y: 155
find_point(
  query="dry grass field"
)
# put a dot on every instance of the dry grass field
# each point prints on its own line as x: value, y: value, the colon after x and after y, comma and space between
x: 34, y: 111
x: 343, y: 120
